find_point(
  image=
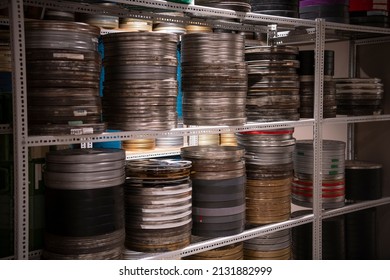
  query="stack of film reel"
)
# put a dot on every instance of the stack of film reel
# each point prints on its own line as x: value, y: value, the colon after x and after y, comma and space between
x: 171, y: 141
x: 284, y: 8
x: 104, y: 21
x: 190, y: 28
x: 306, y: 89
x: 135, y: 25
x: 370, y: 13
x: 225, y: 139
x: 140, y: 87
x: 214, y: 79
x: 63, y: 74
x: 269, y: 171
x: 158, y: 205
x: 208, y: 139
x: 228, y: 139
x: 361, y: 231
x: 138, y: 145
x: 333, y: 174
x: 333, y: 238
x: 229, y: 252
x: 273, y: 246
x: 363, y: 180
x: 236, y: 5
x: 218, y: 181
x: 177, y: 27
x: 84, y: 204
x: 51, y: 14
x: 181, y: 1
x: 273, y: 85
x: 359, y: 96
x: 330, y: 10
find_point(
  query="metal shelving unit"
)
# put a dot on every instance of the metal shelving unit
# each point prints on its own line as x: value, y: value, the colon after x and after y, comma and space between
x: 289, y: 30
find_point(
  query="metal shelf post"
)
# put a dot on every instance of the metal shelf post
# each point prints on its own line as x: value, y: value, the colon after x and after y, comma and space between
x: 317, y: 138
x: 19, y: 97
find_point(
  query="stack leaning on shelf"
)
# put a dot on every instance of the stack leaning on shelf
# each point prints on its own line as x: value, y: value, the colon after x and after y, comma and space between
x: 84, y: 204
x: 218, y: 182
x: 269, y: 170
x: 63, y: 73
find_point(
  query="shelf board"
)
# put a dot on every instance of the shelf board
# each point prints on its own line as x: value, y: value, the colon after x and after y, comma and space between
x: 158, y: 152
x: 5, y: 129
x: 120, y: 136
x: 357, y: 119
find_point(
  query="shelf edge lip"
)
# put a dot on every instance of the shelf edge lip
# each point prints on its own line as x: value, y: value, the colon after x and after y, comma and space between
x: 223, y: 241
x: 120, y: 136
x: 152, y: 154
x: 357, y: 119
x: 355, y: 207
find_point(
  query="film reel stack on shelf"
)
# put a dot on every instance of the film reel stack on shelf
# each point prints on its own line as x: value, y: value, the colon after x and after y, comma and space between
x: 140, y: 94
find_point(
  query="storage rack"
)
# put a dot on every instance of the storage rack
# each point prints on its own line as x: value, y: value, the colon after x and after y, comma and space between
x: 316, y: 32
